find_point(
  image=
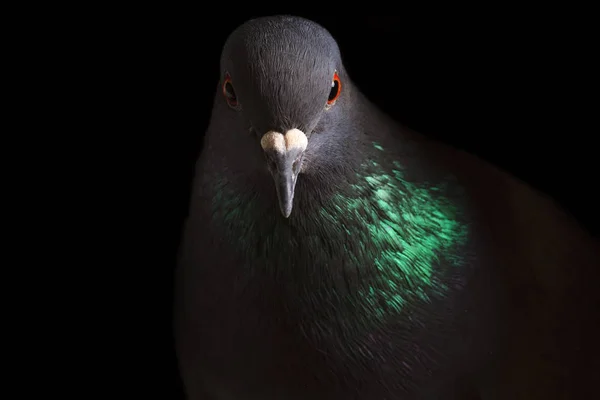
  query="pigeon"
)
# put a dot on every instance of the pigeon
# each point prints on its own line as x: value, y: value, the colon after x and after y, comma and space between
x: 332, y: 253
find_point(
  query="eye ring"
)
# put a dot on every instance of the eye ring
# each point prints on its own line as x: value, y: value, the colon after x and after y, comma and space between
x: 229, y: 92
x: 336, y: 89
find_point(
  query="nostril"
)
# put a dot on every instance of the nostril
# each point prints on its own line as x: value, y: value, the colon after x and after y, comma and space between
x: 296, y: 165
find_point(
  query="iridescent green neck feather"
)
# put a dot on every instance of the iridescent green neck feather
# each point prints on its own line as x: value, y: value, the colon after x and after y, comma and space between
x: 399, y: 240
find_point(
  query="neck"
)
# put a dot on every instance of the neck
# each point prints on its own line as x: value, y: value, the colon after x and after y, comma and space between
x: 371, y: 237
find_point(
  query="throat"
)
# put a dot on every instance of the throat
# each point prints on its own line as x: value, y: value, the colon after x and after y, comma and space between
x: 376, y: 243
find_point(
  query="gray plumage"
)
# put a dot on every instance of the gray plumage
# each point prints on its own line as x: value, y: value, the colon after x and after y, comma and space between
x: 366, y: 262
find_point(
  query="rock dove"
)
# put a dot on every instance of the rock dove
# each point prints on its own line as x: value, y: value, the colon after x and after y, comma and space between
x: 332, y: 253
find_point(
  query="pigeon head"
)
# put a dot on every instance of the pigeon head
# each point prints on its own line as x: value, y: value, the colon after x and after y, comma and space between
x: 282, y: 77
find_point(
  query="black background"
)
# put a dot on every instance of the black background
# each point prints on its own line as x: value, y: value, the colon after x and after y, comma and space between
x: 496, y: 87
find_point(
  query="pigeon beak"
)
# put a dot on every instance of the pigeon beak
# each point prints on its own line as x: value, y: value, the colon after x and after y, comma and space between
x: 284, y: 154
x: 285, y: 182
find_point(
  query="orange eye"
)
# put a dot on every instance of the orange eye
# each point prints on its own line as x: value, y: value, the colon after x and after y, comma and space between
x: 336, y: 89
x: 228, y: 91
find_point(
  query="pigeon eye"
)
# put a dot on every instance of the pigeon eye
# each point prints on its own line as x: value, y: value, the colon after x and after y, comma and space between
x: 336, y: 88
x: 229, y: 93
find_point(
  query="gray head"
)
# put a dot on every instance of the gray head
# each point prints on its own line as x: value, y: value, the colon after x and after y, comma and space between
x: 282, y: 76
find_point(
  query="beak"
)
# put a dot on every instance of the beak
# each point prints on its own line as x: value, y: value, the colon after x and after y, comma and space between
x: 284, y: 155
x: 285, y: 170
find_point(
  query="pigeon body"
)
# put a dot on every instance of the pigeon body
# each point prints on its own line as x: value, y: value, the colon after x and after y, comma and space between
x: 331, y: 253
